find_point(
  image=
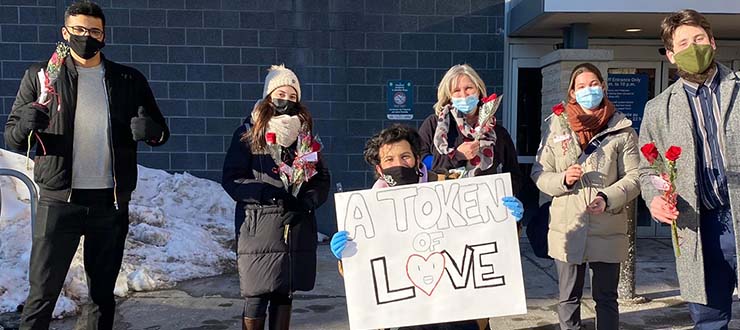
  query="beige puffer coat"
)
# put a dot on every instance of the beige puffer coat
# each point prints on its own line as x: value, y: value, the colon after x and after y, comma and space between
x: 576, y: 236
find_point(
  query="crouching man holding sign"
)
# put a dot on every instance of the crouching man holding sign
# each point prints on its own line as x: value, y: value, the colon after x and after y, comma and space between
x: 428, y: 249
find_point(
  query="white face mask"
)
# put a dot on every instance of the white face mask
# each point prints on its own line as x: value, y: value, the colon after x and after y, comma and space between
x: 286, y: 129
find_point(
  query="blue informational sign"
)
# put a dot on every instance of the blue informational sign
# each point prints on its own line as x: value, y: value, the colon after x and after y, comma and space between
x: 400, y: 100
x: 629, y: 93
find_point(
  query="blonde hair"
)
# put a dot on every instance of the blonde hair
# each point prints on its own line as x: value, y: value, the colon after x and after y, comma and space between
x: 449, y: 82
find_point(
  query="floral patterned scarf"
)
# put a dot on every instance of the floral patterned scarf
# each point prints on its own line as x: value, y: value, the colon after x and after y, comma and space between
x: 483, y: 133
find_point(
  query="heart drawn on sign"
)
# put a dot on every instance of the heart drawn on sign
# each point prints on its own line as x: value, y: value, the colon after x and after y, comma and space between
x: 425, y: 273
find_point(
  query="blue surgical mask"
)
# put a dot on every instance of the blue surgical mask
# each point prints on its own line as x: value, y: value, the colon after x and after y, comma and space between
x: 465, y: 104
x: 590, y: 97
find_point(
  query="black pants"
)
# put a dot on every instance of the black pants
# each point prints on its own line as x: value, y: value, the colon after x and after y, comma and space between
x: 256, y: 307
x: 720, y: 270
x: 56, y: 235
x: 460, y: 325
x: 604, y: 284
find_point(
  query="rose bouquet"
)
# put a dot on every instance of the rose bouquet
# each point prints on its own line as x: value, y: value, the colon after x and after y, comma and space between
x: 303, y: 166
x: 564, y: 136
x: 50, y: 75
x: 487, y: 116
x: 665, y: 179
x: 47, y: 79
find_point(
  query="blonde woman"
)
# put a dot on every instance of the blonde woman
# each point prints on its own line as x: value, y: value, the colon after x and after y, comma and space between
x: 449, y: 135
x: 590, y: 183
x: 462, y: 145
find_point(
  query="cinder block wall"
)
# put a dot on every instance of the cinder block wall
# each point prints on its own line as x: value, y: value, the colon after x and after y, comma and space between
x: 206, y: 61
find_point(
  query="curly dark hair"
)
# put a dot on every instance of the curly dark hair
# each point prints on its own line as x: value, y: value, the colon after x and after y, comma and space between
x: 84, y: 7
x: 392, y: 134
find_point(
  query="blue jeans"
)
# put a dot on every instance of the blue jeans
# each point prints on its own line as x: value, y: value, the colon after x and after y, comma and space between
x: 720, y: 269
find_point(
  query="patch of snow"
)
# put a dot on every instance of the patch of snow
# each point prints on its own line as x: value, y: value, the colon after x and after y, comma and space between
x: 181, y: 227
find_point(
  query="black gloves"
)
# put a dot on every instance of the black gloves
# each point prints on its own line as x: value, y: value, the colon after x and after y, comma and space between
x: 33, y: 117
x: 143, y: 128
x: 294, y: 211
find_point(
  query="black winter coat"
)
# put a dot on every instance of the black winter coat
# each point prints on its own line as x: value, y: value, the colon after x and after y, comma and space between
x: 504, y: 152
x: 265, y: 261
x: 127, y: 90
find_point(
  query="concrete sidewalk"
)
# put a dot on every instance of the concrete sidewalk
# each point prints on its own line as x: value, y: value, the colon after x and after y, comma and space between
x: 213, y: 303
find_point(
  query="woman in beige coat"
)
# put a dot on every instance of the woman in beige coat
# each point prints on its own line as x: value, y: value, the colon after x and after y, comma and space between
x: 590, y: 184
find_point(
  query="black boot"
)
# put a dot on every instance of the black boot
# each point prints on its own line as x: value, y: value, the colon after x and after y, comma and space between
x: 280, y: 317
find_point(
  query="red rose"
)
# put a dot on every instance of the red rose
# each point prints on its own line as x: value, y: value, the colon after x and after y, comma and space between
x: 558, y: 109
x: 650, y: 152
x: 489, y: 98
x: 270, y: 137
x: 488, y: 152
x: 315, y: 145
x: 55, y: 59
x: 475, y: 161
x: 673, y: 153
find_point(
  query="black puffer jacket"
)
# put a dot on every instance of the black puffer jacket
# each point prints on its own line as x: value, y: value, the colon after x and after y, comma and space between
x: 266, y: 262
x: 127, y: 90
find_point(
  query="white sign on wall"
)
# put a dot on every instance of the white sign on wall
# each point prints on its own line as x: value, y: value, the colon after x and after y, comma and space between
x: 430, y: 253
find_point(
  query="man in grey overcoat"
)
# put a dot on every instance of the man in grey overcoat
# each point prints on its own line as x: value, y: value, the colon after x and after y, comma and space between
x: 701, y: 114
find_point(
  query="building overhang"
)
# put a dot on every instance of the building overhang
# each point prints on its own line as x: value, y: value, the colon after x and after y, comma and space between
x: 612, y: 19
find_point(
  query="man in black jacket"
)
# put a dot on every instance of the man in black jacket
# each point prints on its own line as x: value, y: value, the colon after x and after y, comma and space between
x: 84, y: 114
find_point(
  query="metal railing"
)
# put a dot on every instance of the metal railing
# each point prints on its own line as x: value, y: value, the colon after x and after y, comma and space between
x: 34, y: 202
x: 31, y: 188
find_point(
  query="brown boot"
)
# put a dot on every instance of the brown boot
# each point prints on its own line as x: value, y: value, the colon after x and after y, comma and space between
x: 483, y: 324
x: 253, y: 324
x: 280, y: 317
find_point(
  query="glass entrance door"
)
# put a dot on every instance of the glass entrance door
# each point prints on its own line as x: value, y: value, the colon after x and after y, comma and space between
x: 630, y: 86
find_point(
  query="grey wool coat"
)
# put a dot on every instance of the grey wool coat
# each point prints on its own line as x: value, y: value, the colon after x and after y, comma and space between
x: 668, y: 121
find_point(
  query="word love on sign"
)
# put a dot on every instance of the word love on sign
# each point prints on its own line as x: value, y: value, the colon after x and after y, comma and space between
x: 425, y: 273
x: 421, y: 253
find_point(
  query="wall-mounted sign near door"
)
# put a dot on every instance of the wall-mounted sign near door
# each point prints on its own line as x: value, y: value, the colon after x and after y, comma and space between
x: 629, y: 93
x: 400, y: 96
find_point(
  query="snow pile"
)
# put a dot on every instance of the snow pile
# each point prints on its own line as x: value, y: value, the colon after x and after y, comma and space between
x: 15, y: 232
x: 181, y: 228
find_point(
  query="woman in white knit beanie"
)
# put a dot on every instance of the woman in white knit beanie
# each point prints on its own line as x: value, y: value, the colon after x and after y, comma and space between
x: 275, y: 226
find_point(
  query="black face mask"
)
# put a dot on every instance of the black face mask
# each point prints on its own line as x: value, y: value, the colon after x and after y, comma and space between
x: 285, y: 107
x: 85, y: 46
x: 401, y: 175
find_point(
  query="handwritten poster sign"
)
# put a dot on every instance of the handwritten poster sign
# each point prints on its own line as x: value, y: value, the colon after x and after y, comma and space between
x: 430, y: 253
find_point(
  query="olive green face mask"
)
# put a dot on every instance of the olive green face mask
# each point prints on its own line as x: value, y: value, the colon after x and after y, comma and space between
x: 695, y: 59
